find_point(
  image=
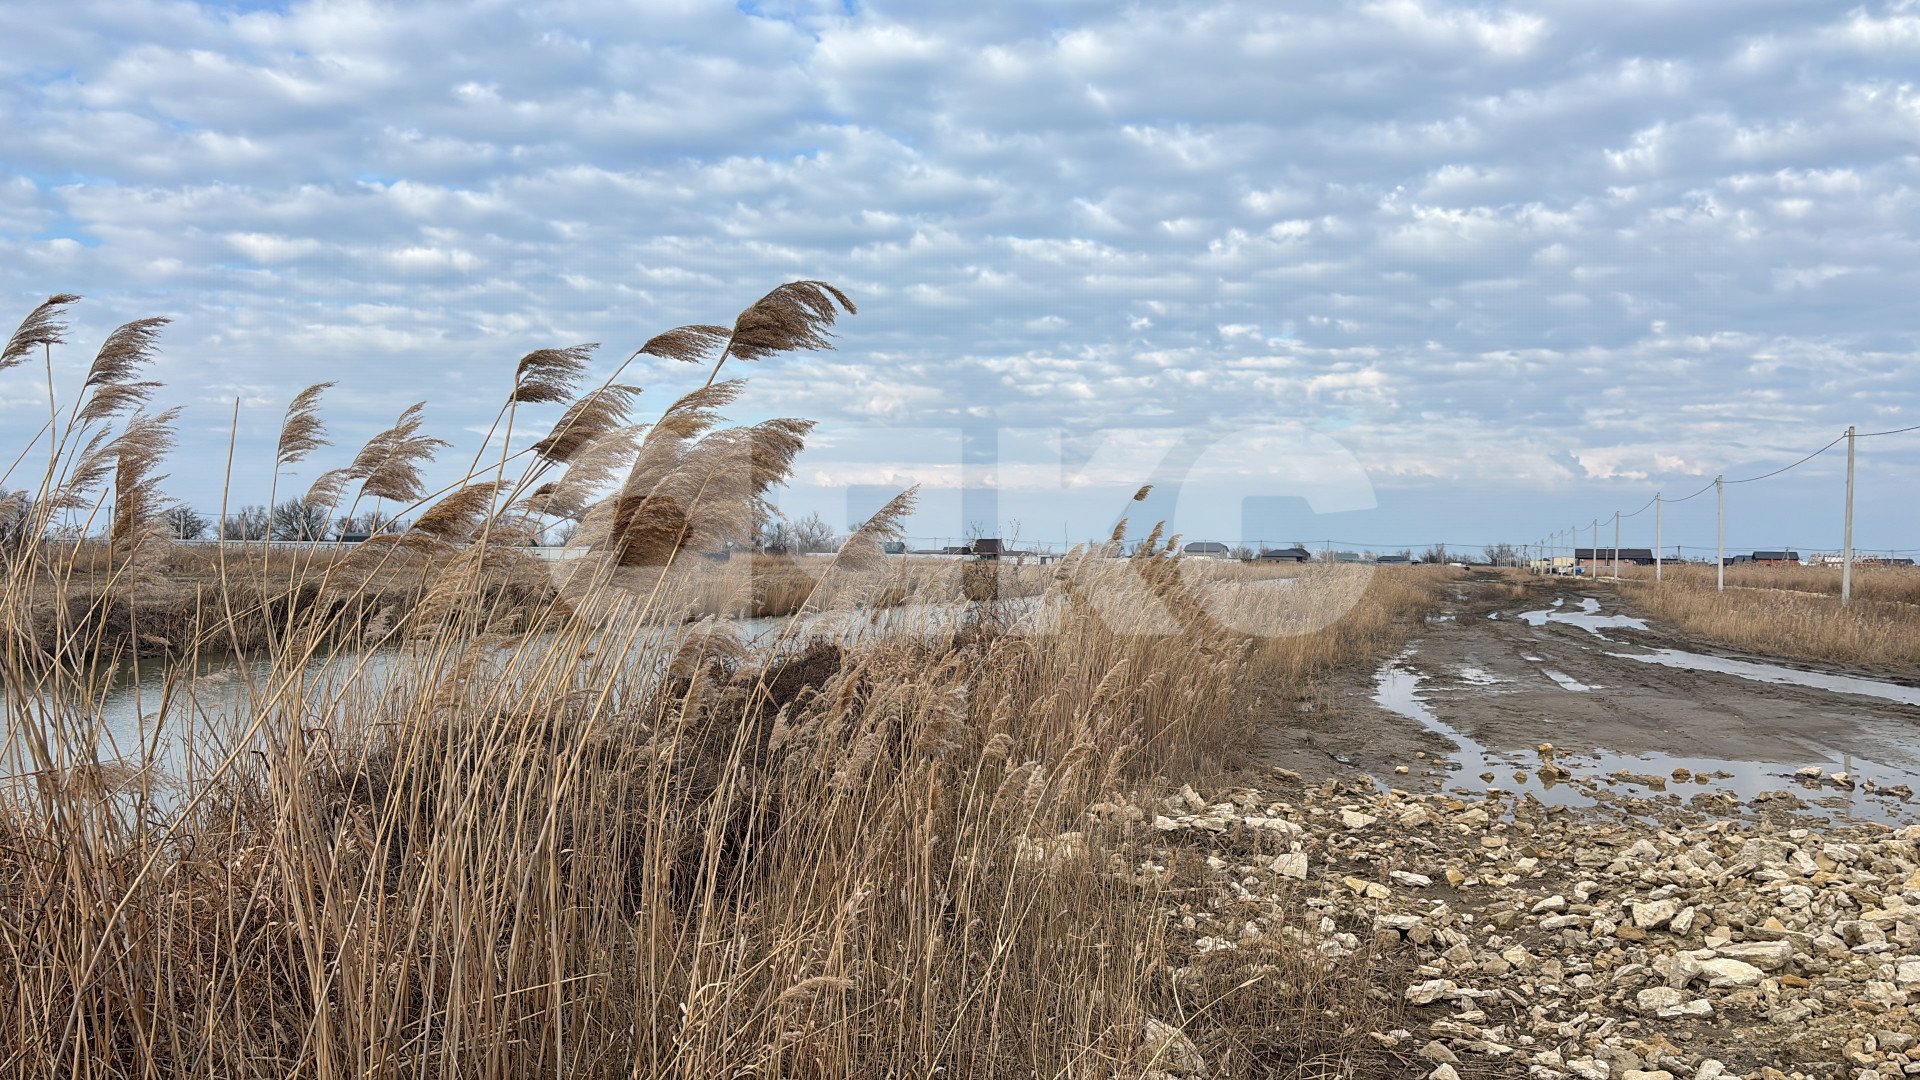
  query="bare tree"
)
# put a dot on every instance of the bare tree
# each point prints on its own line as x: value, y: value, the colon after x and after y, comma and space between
x: 247, y: 523
x: 186, y: 523
x: 297, y: 519
x: 776, y: 535
x: 1435, y: 554
x: 813, y: 534
x: 1243, y: 553
x: 1504, y: 555
x: 365, y: 523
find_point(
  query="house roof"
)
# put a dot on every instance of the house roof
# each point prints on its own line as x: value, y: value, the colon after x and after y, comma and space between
x: 1205, y: 547
x: 1776, y: 556
x: 1286, y: 553
x: 1607, y: 553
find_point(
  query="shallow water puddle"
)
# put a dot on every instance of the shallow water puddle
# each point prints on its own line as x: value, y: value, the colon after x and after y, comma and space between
x: 1479, y: 677
x: 1774, y: 673
x: 1398, y: 690
x: 1566, y: 682
x: 1588, y: 619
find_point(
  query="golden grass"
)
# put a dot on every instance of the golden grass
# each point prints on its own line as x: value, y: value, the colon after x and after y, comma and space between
x: 443, y: 839
x: 1893, y: 585
x: 1782, y: 622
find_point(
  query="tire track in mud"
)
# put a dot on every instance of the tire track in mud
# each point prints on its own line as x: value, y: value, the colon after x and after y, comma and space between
x: 1485, y: 682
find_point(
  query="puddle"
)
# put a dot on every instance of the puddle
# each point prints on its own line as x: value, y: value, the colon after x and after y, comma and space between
x: 1559, y: 601
x: 1774, y: 673
x: 1589, y: 605
x: 1397, y: 689
x: 1479, y: 677
x: 1493, y: 614
x: 1567, y: 682
x: 1587, y: 618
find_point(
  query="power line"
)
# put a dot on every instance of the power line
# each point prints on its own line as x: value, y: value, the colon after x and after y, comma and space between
x: 1836, y: 442
x: 1643, y: 509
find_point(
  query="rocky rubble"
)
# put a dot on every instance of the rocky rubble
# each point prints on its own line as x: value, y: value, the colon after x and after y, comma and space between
x: 1665, y: 945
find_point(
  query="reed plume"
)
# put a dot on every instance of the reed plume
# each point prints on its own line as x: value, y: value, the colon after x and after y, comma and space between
x: 690, y: 344
x: 586, y: 421
x: 458, y: 515
x: 301, y: 433
x: 328, y: 488
x: 548, y: 376
x: 90, y: 469
x: 41, y: 328
x: 138, y: 504
x: 388, y: 466
x: 794, y: 316
x: 110, y: 387
x: 863, y: 550
x: 695, y: 413
x: 589, y: 473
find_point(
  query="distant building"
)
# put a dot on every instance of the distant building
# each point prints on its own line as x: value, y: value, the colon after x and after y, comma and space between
x: 1289, y: 554
x: 986, y: 547
x: 1348, y: 557
x: 1768, y: 558
x: 1628, y: 556
x: 1394, y: 560
x: 1207, y: 549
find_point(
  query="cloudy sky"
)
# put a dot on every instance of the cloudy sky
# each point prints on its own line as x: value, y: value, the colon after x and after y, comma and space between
x: 1381, y: 272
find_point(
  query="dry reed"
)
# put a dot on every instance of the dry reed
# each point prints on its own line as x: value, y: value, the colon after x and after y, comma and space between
x: 461, y: 837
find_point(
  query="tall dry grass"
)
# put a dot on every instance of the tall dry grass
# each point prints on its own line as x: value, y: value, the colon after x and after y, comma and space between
x: 1802, y: 625
x: 1882, y: 584
x: 448, y: 839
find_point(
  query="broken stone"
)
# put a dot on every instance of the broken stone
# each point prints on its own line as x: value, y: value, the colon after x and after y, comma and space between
x: 1654, y: 914
x: 1723, y: 972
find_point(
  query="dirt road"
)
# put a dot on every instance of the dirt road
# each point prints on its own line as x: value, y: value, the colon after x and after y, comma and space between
x: 1621, y: 701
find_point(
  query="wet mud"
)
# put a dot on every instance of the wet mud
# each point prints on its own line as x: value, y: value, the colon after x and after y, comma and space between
x: 1621, y: 705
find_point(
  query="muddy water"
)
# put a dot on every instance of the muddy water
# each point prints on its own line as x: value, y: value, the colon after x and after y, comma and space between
x: 155, y: 708
x: 1774, y: 673
x: 1588, y: 618
x: 1398, y: 688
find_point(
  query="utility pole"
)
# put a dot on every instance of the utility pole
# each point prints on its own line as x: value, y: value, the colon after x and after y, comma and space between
x: 1846, y: 553
x: 1656, y: 537
x: 1595, y: 550
x: 1616, y: 545
x: 1720, y: 543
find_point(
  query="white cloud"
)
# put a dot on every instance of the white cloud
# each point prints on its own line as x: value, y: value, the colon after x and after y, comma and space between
x: 1442, y: 231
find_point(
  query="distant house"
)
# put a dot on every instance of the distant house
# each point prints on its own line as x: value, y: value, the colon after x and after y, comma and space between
x: 1207, y: 549
x: 1768, y: 558
x: 1394, y: 560
x: 1628, y: 556
x: 1289, y: 554
x: 987, y: 547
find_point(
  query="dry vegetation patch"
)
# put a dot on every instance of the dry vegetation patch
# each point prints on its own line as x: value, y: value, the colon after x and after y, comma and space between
x: 473, y: 833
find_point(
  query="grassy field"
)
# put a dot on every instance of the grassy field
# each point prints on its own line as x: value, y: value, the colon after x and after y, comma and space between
x: 1892, y: 585
x: 608, y: 841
